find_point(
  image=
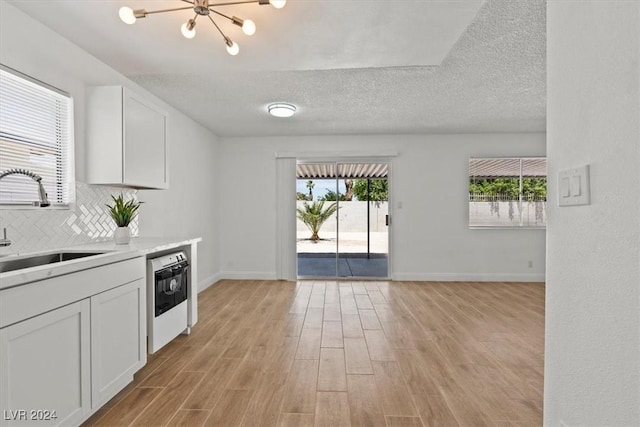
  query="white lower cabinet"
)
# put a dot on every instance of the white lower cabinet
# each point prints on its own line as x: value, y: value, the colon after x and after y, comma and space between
x: 45, y: 368
x: 59, y: 367
x: 118, y: 339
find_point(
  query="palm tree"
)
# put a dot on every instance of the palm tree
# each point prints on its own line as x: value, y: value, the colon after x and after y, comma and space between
x: 313, y: 215
x: 310, y: 185
x: 348, y: 190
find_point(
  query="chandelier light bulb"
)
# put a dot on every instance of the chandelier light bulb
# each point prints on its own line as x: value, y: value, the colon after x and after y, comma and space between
x: 203, y: 8
x: 233, y: 48
x: 278, y: 4
x: 126, y: 15
x: 188, y: 29
x: 249, y: 27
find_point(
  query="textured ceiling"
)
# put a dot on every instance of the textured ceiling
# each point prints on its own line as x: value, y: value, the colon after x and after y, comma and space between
x: 347, y: 76
x: 304, y: 35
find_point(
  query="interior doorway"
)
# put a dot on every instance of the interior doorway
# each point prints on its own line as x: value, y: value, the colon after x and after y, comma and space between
x: 342, y: 220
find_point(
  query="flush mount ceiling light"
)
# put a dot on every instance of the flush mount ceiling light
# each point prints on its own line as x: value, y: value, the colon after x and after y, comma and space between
x: 203, y: 8
x: 281, y: 109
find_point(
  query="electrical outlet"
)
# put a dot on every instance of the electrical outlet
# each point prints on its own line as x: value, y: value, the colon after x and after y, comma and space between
x: 530, y: 264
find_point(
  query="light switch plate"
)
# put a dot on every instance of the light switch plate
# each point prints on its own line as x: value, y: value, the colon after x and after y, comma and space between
x: 574, y: 186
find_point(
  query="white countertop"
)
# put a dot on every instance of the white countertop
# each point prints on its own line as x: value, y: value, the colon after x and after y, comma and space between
x: 144, y: 245
x: 140, y: 246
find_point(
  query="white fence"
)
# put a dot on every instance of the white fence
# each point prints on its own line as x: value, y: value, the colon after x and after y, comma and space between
x: 479, y: 197
x: 353, y: 217
x: 492, y: 211
x: 508, y: 213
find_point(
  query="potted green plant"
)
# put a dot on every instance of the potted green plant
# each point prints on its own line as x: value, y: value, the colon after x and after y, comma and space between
x: 123, y: 213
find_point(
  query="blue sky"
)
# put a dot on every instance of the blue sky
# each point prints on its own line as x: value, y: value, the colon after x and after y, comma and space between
x: 321, y: 188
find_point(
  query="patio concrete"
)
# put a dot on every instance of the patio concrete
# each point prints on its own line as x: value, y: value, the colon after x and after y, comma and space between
x: 318, y: 259
x: 350, y: 242
x: 349, y: 265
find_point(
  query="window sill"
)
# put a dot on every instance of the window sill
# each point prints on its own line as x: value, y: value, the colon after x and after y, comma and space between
x: 506, y: 227
x: 34, y: 208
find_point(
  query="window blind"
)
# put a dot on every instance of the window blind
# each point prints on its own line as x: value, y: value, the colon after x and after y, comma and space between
x: 36, y: 133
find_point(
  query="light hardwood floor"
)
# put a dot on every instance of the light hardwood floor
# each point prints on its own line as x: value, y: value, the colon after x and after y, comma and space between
x: 327, y: 353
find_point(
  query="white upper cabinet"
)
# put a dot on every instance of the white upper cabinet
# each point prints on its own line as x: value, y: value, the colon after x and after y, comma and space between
x: 126, y: 139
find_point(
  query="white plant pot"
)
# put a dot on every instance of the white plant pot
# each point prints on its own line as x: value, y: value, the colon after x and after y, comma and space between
x: 122, y: 236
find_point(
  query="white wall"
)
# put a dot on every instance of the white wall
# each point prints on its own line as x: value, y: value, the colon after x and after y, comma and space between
x: 431, y: 239
x: 190, y: 207
x: 592, y: 351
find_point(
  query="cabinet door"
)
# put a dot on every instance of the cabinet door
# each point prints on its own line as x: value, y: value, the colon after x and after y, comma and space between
x: 144, y: 143
x: 45, y: 368
x: 118, y: 339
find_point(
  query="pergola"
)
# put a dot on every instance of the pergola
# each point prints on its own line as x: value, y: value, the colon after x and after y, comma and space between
x: 342, y: 170
x: 533, y: 167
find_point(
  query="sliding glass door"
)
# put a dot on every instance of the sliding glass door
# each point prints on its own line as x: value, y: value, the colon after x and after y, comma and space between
x: 317, y: 221
x: 363, y: 238
x: 342, y: 220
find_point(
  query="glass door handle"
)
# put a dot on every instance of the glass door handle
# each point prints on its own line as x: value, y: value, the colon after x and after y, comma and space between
x: 386, y: 220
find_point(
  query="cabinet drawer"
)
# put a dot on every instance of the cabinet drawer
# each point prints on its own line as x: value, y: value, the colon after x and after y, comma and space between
x: 22, y: 302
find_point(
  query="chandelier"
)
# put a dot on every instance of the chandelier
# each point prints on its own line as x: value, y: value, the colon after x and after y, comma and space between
x: 203, y: 8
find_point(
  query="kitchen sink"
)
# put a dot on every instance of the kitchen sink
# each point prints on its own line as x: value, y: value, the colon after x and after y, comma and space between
x: 37, y: 260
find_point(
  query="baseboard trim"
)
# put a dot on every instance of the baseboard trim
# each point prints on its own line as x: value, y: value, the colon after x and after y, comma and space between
x: 469, y: 277
x: 209, y: 281
x: 247, y: 275
x: 414, y: 277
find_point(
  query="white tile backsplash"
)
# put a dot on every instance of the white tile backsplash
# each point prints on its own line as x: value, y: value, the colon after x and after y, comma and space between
x: 87, y: 221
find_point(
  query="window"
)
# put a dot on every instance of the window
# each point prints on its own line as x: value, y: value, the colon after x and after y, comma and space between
x: 508, y: 192
x: 36, y: 133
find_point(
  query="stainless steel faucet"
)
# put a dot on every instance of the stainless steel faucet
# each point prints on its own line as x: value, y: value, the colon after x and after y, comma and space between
x: 43, y: 202
x: 4, y: 241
